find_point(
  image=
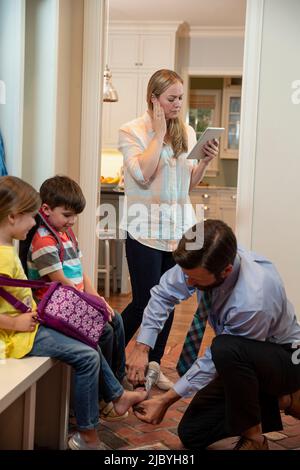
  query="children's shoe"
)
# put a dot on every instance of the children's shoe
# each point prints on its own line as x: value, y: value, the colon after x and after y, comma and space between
x: 163, y: 382
x: 76, y: 442
x: 107, y: 412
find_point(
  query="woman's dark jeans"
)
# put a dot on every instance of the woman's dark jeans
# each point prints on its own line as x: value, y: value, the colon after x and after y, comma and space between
x: 146, y: 266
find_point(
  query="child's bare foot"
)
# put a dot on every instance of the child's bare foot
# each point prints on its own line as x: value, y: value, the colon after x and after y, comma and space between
x: 128, y: 399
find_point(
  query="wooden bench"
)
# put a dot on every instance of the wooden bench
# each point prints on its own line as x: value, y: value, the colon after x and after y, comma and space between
x: 34, y: 403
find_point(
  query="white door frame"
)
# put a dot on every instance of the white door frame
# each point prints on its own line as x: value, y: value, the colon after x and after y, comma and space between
x: 90, y: 152
x: 249, y: 112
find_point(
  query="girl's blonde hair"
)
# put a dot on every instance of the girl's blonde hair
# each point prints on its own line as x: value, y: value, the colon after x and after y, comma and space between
x: 176, y: 130
x: 17, y: 197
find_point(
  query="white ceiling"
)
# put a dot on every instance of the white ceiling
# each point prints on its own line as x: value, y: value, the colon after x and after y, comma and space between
x: 205, y: 13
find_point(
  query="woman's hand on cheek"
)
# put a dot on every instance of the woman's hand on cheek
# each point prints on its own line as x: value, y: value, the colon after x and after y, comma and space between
x: 159, y: 120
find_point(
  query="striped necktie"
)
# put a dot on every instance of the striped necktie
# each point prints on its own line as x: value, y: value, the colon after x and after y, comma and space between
x: 194, y: 336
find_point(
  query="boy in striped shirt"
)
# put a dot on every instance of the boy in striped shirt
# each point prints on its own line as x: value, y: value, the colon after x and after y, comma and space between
x: 54, y: 255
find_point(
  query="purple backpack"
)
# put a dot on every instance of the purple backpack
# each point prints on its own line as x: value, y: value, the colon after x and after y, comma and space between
x: 74, y: 313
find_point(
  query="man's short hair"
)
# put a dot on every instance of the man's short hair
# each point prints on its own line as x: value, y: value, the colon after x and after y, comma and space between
x: 62, y: 191
x: 217, y: 252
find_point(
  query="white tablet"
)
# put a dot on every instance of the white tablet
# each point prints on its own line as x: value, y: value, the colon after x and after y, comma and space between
x: 210, y: 133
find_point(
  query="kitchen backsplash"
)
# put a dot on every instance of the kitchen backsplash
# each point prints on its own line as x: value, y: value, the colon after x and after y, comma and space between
x: 111, y: 162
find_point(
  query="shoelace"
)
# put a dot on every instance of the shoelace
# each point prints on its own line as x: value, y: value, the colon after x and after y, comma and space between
x: 151, y: 379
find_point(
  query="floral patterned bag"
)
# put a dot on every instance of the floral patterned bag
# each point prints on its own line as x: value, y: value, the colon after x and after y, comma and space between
x: 64, y: 308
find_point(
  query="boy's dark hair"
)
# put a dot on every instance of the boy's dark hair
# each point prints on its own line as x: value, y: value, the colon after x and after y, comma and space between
x: 218, y: 251
x: 62, y: 191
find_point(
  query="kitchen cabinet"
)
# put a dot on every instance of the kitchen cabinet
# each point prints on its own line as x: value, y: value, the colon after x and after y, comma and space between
x: 116, y: 114
x: 217, y: 203
x: 204, y: 111
x: 231, y: 115
x: 227, y: 206
x: 135, y: 52
x: 131, y: 88
x: 218, y: 107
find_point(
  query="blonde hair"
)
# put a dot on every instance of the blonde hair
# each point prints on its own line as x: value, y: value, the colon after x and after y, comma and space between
x: 176, y: 130
x: 17, y: 196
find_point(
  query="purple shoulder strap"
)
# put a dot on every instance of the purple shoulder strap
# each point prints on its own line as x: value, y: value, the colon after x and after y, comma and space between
x: 11, y: 299
x: 9, y: 282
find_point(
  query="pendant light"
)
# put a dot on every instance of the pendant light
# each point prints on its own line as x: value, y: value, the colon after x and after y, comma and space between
x: 110, y: 95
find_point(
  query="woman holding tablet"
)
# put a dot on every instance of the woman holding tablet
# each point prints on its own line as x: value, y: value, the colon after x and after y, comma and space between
x: 158, y: 178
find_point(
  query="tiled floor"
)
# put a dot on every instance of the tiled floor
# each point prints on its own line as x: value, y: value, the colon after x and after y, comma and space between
x: 131, y: 433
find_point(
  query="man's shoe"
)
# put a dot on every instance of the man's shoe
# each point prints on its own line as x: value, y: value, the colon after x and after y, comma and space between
x: 294, y: 408
x: 76, y: 442
x: 248, y: 444
x: 107, y: 412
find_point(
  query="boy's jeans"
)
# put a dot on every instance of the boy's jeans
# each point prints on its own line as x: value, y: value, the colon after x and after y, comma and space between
x: 112, y: 344
x: 87, y: 363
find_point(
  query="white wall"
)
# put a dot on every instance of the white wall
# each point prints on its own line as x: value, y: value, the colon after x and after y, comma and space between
x: 40, y: 90
x: 208, y: 52
x: 216, y: 53
x: 12, y: 26
x: 41, y: 44
x: 276, y: 221
x: 53, y: 80
x: 275, y: 230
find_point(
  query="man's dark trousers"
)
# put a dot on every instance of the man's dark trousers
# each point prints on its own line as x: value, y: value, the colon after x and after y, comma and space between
x: 251, y: 376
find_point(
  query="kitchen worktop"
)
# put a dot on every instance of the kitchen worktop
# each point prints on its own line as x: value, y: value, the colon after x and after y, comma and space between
x: 115, y: 190
x: 111, y: 190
